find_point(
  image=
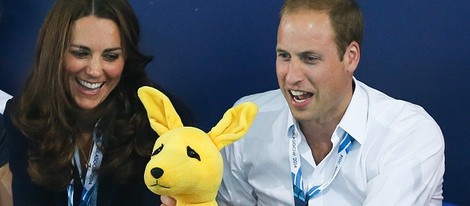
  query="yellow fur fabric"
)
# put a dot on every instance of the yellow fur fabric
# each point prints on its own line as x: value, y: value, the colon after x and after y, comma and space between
x: 186, y: 162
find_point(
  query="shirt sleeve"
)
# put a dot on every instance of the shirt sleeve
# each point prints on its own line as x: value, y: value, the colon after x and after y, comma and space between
x: 235, y: 189
x: 412, y: 169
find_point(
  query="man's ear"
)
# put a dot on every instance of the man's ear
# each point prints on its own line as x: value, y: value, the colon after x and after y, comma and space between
x: 161, y: 113
x: 352, y: 56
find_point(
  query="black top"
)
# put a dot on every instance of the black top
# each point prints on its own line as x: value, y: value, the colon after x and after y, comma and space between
x: 25, y: 192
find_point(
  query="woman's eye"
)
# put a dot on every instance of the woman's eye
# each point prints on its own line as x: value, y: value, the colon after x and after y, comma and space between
x: 80, y: 54
x: 110, y: 57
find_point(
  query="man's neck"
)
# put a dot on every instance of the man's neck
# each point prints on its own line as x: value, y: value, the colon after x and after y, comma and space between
x: 318, y: 138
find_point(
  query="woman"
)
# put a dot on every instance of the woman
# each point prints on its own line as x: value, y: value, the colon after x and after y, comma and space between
x: 78, y: 120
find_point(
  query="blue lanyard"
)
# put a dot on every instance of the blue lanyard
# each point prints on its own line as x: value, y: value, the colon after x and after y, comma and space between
x: 90, y: 183
x: 300, y: 196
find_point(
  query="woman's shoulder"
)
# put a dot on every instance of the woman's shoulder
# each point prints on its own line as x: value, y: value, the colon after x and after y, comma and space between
x: 7, y: 114
x: 17, y: 142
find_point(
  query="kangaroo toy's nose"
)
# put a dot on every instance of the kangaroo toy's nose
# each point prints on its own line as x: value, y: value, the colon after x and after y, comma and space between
x: 156, y: 172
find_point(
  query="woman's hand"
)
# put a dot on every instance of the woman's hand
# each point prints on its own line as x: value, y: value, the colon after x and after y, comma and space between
x: 167, y: 201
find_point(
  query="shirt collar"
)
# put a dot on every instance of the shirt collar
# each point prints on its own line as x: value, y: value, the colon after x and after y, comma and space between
x: 355, y: 118
x: 291, y: 124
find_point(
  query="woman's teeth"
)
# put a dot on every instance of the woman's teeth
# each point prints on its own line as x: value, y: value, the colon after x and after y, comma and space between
x: 89, y: 85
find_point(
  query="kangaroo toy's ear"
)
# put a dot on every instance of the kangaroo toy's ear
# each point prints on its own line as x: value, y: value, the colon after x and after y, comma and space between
x: 234, y: 124
x: 161, y: 113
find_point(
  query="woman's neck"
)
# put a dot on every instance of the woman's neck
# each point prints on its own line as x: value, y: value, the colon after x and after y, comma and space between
x: 86, y: 119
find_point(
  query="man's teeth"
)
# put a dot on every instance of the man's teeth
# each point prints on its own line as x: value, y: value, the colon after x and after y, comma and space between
x: 296, y: 99
x: 90, y: 85
x: 297, y: 93
x: 299, y: 96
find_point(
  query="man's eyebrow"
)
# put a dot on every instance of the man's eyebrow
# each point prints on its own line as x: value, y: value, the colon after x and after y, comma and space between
x: 309, y: 53
x: 279, y: 50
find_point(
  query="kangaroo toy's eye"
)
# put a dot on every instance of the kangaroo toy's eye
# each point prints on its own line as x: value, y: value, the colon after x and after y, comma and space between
x: 193, y: 154
x: 158, y: 150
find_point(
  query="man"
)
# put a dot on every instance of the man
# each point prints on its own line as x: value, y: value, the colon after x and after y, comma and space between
x: 331, y: 140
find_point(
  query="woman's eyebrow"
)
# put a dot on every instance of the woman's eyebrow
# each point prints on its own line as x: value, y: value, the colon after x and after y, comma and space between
x: 112, y: 49
x: 80, y: 46
x: 88, y: 49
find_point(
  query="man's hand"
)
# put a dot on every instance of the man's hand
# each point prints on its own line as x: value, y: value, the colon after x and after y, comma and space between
x: 167, y: 201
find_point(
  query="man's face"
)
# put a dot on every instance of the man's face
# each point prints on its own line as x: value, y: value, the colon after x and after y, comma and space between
x: 315, y: 83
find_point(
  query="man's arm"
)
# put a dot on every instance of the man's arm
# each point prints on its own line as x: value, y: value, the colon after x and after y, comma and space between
x: 235, y: 189
x: 411, y: 172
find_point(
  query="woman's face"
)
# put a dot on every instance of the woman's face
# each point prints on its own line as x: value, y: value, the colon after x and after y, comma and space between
x: 94, y: 60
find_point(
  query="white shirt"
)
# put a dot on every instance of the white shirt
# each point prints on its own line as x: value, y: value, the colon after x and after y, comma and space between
x: 397, y: 156
x: 4, y: 97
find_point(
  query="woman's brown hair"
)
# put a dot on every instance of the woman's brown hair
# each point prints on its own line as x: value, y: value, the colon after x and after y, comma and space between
x: 45, y: 112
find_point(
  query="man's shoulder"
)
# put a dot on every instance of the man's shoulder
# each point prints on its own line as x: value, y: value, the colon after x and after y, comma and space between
x: 265, y: 100
x: 387, y: 106
x: 397, y: 114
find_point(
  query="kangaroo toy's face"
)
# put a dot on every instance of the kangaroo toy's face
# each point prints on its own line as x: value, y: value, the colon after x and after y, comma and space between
x: 186, y: 162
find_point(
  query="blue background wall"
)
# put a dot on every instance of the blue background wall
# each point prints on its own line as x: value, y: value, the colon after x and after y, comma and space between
x: 210, y: 53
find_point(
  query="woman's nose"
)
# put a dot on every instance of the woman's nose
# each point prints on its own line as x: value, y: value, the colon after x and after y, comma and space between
x: 95, y: 67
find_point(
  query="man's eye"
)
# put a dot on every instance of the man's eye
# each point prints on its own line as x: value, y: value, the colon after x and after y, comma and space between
x: 110, y: 57
x: 311, y: 59
x: 80, y: 54
x: 283, y: 56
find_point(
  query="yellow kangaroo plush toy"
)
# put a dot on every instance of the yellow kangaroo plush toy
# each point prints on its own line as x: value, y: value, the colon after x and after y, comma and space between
x: 186, y: 162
